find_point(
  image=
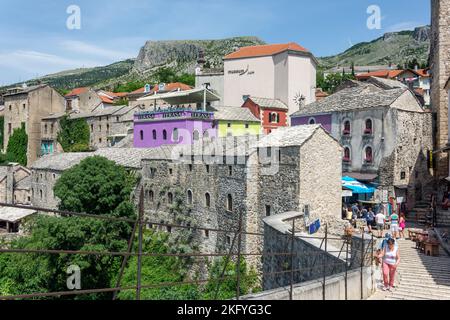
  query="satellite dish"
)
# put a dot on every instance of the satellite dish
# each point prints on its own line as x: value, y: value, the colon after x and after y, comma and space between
x: 161, y: 87
x: 147, y: 88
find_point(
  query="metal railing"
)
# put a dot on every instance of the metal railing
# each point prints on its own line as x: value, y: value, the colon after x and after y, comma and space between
x: 235, y: 252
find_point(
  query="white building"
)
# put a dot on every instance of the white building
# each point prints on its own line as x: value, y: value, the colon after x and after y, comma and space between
x: 282, y: 71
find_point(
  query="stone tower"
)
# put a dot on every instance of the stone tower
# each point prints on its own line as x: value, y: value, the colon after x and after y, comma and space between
x: 440, y: 69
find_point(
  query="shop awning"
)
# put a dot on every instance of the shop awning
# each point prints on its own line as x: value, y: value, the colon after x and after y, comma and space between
x: 365, y: 177
x: 184, y: 97
x: 356, y: 186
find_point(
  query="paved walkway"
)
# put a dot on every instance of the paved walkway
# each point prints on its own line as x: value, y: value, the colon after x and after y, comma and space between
x: 419, y: 277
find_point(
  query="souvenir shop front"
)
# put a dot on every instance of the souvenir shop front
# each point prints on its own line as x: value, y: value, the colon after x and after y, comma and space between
x: 359, y: 191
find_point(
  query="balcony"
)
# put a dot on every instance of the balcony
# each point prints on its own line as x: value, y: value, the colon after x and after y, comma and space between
x: 171, y: 114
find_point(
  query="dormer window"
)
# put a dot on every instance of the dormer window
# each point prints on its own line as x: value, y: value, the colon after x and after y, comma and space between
x: 312, y: 121
x: 368, y: 127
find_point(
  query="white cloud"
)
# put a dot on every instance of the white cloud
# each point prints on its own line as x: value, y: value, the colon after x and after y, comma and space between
x: 35, y: 62
x: 92, y: 50
x: 402, y: 26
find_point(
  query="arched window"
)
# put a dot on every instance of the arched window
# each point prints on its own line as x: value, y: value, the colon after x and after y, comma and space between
x: 369, y: 127
x: 189, y: 197
x: 175, y: 135
x: 170, y: 198
x: 142, y: 135
x: 347, y: 128
x: 229, y: 202
x: 196, y: 135
x: 368, y: 155
x: 154, y: 134
x: 164, y: 135
x: 151, y: 196
x: 312, y: 121
x: 208, y: 200
x: 347, y: 155
x: 273, y: 117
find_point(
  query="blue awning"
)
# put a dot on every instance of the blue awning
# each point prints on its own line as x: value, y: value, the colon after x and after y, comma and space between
x: 356, y: 186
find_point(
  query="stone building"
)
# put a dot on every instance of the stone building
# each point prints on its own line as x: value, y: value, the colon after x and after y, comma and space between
x: 295, y: 168
x: 82, y: 100
x: 440, y: 71
x: 108, y: 125
x: 385, y: 133
x: 47, y: 170
x: 417, y: 79
x: 15, y: 184
x: 26, y: 107
x: 50, y: 128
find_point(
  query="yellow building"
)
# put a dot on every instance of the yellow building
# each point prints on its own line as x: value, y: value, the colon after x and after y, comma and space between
x: 236, y: 121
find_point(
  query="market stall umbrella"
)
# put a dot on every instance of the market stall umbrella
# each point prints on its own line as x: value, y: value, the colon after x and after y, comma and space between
x: 356, y: 186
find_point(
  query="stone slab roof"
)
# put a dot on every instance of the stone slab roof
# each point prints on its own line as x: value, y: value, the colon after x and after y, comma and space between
x: 52, y: 116
x: 60, y: 161
x: 357, y: 96
x: 269, y: 103
x: 26, y: 90
x: 14, y: 214
x: 289, y: 136
x: 24, y: 184
x: 3, y: 172
x: 234, y: 114
x: 107, y: 111
x: 127, y: 157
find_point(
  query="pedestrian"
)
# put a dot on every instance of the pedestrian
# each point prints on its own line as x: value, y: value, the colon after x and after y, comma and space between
x: 370, y: 219
x: 394, y: 225
x: 380, y: 218
x: 355, y: 211
x: 402, y: 225
x: 391, y: 260
x: 349, y: 214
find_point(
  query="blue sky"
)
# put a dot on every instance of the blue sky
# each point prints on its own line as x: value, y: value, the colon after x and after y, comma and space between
x: 35, y: 41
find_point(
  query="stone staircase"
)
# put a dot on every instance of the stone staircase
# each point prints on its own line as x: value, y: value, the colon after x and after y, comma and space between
x: 443, y: 218
x: 419, y: 277
x: 418, y: 215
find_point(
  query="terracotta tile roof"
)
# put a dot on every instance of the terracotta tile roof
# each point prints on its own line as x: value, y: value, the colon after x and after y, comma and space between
x: 77, y: 92
x: 321, y: 94
x: 392, y: 74
x: 106, y: 99
x: 423, y: 73
x: 120, y: 94
x: 265, y: 50
x: 140, y: 90
x: 173, y: 87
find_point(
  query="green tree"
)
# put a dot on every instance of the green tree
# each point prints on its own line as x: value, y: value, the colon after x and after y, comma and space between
x: 129, y: 86
x: 226, y: 289
x: 159, y: 270
x: 330, y: 82
x: 74, y: 135
x: 17, y: 146
x: 96, y: 186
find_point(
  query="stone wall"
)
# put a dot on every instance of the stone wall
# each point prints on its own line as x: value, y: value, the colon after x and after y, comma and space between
x: 29, y: 109
x: 405, y: 173
x: 314, y: 256
x: 440, y: 70
x: 42, y: 183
